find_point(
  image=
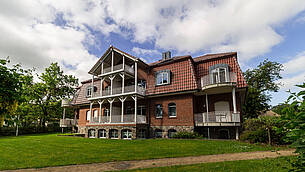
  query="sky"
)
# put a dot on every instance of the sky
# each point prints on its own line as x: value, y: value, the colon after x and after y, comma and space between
x: 75, y: 33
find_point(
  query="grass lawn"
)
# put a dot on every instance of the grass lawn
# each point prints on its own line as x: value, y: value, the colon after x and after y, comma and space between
x: 268, y: 164
x: 52, y: 150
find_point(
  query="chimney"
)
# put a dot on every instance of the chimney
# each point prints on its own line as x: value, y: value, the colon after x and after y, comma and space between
x: 166, y: 55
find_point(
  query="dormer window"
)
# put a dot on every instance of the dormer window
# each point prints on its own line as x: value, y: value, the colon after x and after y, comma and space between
x: 89, y: 91
x: 163, y: 77
x: 219, y: 73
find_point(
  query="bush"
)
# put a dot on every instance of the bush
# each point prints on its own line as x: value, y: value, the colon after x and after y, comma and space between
x: 11, y: 131
x: 258, y: 130
x: 186, y: 135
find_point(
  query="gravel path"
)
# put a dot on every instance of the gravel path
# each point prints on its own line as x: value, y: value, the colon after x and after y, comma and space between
x: 123, y: 165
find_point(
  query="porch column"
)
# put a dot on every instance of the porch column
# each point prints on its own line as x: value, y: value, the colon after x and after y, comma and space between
x: 123, y: 81
x: 122, y: 99
x: 92, y: 88
x: 136, y: 76
x: 237, y: 134
x: 111, y: 82
x: 90, y: 119
x: 110, y: 108
x: 123, y: 62
x: 135, y: 108
x: 100, y: 117
x: 234, y: 100
x: 101, y: 91
x: 112, y: 61
x: 207, y: 106
x: 102, y: 68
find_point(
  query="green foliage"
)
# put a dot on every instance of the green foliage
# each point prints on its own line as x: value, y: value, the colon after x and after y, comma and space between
x: 294, y: 119
x: 261, y: 81
x: 262, y: 130
x: 187, y: 135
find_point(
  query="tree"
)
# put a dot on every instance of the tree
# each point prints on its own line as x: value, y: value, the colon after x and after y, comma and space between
x: 11, y: 87
x: 261, y: 82
x: 48, y: 93
x: 294, y: 118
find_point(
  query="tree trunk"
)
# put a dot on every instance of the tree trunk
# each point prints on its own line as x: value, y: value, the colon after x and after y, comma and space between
x: 1, y: 120
x: 269, y: 136
x: 17, y: 126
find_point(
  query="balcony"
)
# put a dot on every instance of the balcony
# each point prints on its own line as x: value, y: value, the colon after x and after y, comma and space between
x: 217, y: 118
x: 118, y: 92
x: 68, y: 122
x: 117, y: 119
x: 213, y: 80
x: 117, y: 68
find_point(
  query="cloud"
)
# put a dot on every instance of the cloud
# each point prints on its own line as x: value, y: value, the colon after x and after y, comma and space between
x: 38, y: 32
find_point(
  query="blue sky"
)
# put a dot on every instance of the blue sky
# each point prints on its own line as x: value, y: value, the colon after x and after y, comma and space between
x: 75, y: 33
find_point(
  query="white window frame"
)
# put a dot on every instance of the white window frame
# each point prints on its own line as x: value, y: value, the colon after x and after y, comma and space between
x: 169, y: 115
x: 140, y: 108
x: 156, y: 115
x: 88, y: 115
x: 217, y: 70
x: 162, y: 74
x: 128, y: 134
x: 89, y: 91
x: 95, y: 114
x: 117, y: 131
x: 104, y: 133
x: 90, y: 132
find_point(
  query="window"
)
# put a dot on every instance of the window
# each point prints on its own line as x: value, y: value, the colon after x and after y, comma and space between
x: 88, y: 115
x: 171, y: 133
x: 172, y: 109
x: 126, y: 134
x: 141, y: 110
x: 91, y: 133
x: 141, y: 134
x: 158, y: 133
x: 159, y: 112
x: 219, y: 75
x: 113, y: 134
x: 129, y: 110
x: 89, y: 91
x: 102, y: 133
x: 163, y: 77
x: 95, y: 114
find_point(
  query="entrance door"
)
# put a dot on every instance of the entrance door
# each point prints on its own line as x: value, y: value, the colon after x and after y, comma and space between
x: 222, y: 111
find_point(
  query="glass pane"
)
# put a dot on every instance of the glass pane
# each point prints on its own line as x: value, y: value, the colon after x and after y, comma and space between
x: 222, y: 75
x: 215, y: 78
x: 159, y: 78
x: 165, y: 78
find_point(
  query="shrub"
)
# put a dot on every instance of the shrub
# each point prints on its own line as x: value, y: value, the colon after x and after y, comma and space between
x: 262, y: 130
x: 186, y: 135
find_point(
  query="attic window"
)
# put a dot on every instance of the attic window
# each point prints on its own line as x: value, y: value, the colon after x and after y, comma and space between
x: 163, y: 77
x: 89, y: 90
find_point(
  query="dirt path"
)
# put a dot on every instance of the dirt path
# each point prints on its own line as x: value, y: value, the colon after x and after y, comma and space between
x: 123, y: 165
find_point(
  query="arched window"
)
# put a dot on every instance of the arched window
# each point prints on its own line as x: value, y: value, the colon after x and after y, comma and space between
x: 159, y: 112
x: 172, y: 109
x: 102, y: 133
x: 95, y: 115
x: 88, y: 115
x: 126, y: 134
x: 158, y: 133
x: 141, y: 133
x: 91, y: 133
x: 171, y: 133
x: 113, y: 134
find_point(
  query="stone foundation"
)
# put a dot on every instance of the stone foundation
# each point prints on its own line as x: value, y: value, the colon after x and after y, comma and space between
x: 165, y: 130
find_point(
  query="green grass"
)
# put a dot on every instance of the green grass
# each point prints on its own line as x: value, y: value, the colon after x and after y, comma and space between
x: 268, y: 164
x: 51, y: 150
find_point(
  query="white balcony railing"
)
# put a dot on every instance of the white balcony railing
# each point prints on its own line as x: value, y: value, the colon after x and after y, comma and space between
x: 217, y: 117
x: 218, y: 79
x: 118, y: 91
x: 127, y: 118
x: 119, y: 67
x: 67, y: 122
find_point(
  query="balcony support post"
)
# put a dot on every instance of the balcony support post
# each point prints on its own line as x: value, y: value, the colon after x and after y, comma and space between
x: 237, y: 134
x: 112, y: 53
x: 92, y: 88
x: 123, y: 81
x: 110, y: 109
x: 135, y: 108
x: 136, y: 77
x: 102, y: 81
x: 91, y: 103
x: 122, y: 99
x: 207, y: 107
x: 111, y: 80
x: 102, y: 68
x: 234, y: 100
x: 123, y: 63
x: 100, y: 117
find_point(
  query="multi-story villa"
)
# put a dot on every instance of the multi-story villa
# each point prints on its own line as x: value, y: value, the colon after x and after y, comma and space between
x: 128, y: 98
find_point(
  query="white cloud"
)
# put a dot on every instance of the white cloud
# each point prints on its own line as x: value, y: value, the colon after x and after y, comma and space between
x: 30, y: 34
